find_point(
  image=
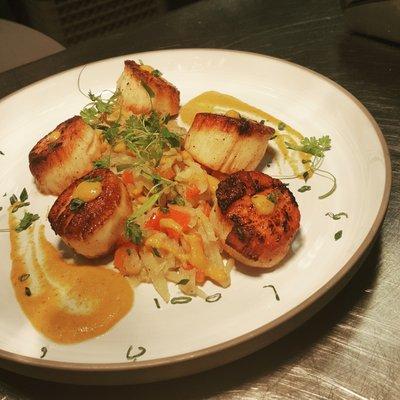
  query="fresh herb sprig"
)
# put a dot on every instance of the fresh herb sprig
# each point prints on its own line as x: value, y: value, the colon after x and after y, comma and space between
x: 312, y: 145
x: 317, y: 148
x: 93, y: 113
x: 26, y: 221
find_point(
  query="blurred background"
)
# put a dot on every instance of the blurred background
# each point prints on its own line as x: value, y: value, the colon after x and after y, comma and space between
x: 33, y: 29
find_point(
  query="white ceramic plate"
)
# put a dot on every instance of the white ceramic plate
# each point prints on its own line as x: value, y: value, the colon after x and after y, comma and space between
x: 182, y: 339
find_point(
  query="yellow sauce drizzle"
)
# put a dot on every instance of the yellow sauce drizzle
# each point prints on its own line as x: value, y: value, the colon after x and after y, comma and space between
x: 87, y: 191
x: 53, y: 136
x: 220, y: 103
x: 65, y: 302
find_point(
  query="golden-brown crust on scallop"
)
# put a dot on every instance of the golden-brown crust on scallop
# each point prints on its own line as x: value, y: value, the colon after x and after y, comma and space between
x: 56, y: 162
x: 226, y: 144
x: 259, y: 240
x: 136, y: 100
x: 104, y: 216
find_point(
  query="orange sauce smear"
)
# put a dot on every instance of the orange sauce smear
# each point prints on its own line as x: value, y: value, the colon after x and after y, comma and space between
x: 65, y: 302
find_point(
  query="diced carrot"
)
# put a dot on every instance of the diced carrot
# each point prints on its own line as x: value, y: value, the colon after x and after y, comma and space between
x: 173, y: 234
x: 127, y: 177
x: 168, y: 173
x: 121, y: 253
x: 192, y: 193
x: 205, y: 208
x: 200, y: 276
x: 182, y: 218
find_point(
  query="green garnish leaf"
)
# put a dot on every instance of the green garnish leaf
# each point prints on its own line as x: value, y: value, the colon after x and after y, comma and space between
x: 312, y: 145
x: 19, y: 205
x: 281, y: 126
x: 272, y: 197
x: 26, y: 221
x: 133, y: 231
x: 94, y: 179
x: 122, y: 167
x: 337, y: 216
x: 13, y: 199
x: 305, y: 175
x: 148, y: 89
x: 338, y: 235
x: 156, y: 73
x: 172, y: 138
x: 304, y: 188
x: 104, y: 162
x: 183, y: 282
x: 76, y: 204
x: 111, y: 133
x: 24, y: 195
x: 178, y: 200
x: 146, y: 206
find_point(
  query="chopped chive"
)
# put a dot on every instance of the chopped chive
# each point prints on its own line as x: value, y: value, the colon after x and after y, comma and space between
x: 28, y: 292
x: 304, y: 188
x: 183, y: 282
x: 76, y: 204
x: 337, y: 216
x: 148, y: 89
x: 133, y: 357
x: 213, y: 298
x: 281, y: 126
x: 338, y: 235
x: 157, y: 303
x: 273, y: 288
x: 44, y: 352
x: 23, y: 277
x: 181, y: 300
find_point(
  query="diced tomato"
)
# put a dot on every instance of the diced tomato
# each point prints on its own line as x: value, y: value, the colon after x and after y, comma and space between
x: 127, y: 177
x: 192, y: 193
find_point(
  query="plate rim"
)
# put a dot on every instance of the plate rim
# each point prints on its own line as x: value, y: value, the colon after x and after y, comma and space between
x: 255, y: 333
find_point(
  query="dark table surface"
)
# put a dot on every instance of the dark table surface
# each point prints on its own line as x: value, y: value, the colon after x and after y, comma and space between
x: 351, y: 348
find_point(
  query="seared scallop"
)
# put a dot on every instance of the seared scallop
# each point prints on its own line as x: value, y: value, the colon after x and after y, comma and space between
x: 90, y: 214
x: 63, y: 155
x: 256, y: 218
x: 143, y: 90
x: 227, y: 143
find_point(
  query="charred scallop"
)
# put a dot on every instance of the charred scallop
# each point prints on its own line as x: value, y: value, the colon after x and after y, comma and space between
x: 256, y: 219
x: 64, y: 155
x: 227, y: 143
x: 90, y: 214
x: 143, y: 90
